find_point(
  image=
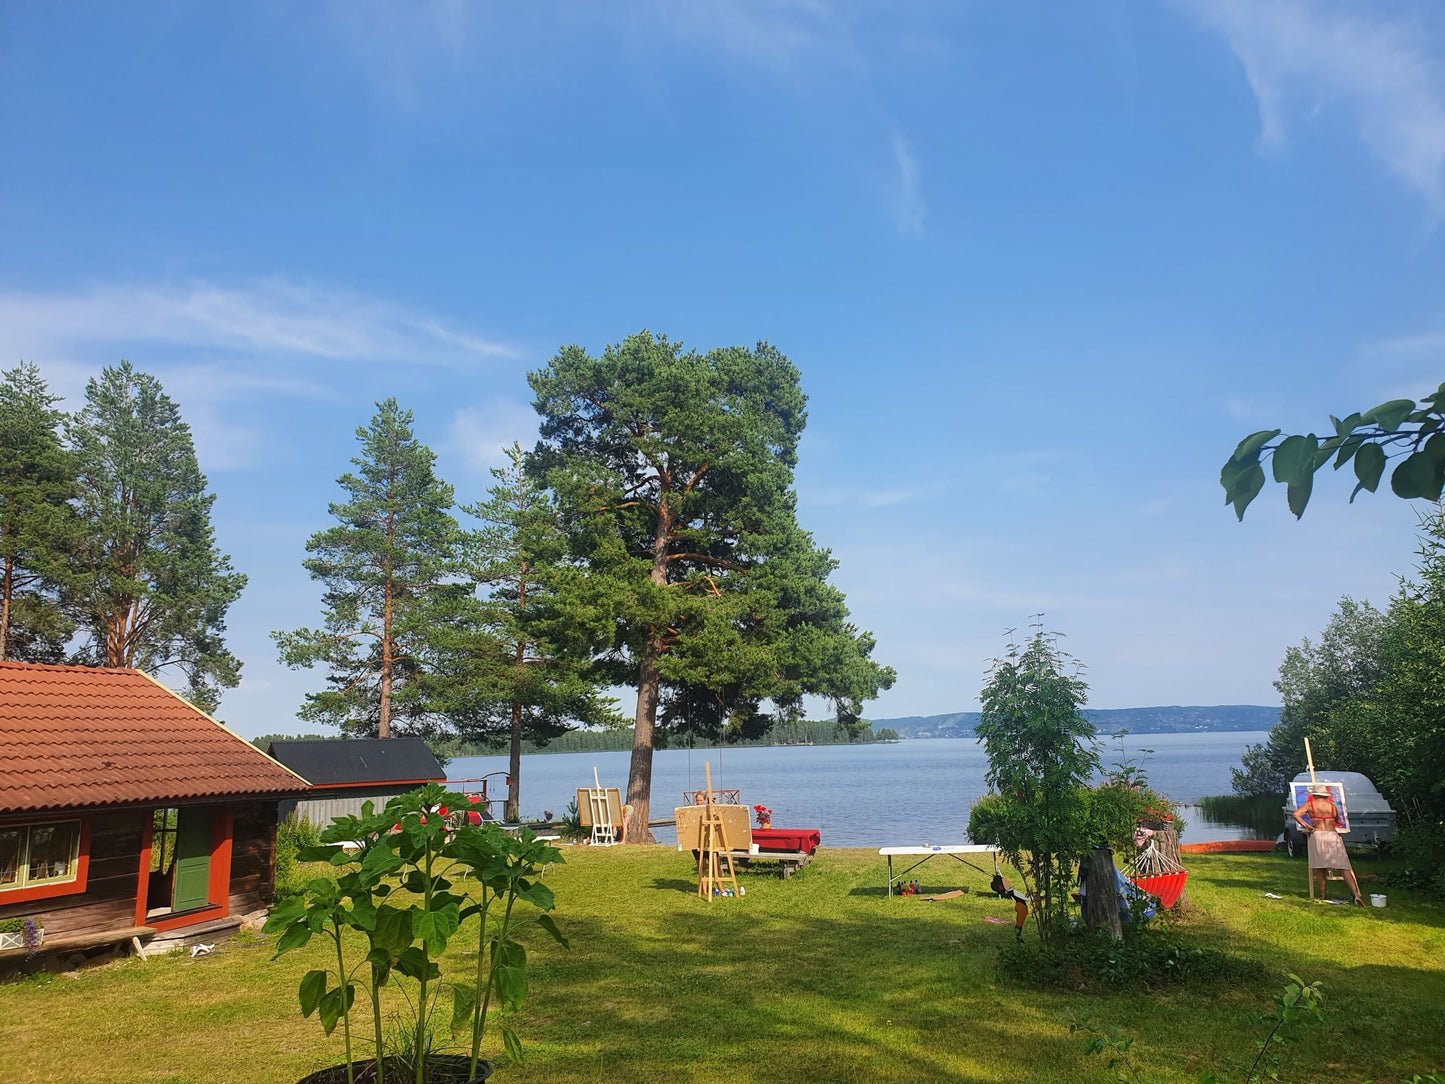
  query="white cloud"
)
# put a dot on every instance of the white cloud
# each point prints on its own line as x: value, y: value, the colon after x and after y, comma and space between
x: 776, y: 34
x: 218, y: 348
x: 909, y: 206
x: 1309, y: 57
x: 480, y: 434
x: 275, y: 318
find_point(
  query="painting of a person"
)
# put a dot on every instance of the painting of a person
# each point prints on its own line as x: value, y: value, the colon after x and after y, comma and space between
x: 1326, y: 848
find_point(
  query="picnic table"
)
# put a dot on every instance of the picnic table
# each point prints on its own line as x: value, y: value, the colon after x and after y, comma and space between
x: 953, y: 850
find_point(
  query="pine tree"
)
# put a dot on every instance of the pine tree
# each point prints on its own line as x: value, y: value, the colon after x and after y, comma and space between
x: 151, y: 588
x: 393, y: 600
x: 37, y: 522
x: 674, y: 472
x: 530, y: 675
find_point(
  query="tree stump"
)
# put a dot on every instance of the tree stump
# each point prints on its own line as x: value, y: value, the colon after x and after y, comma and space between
x: 1101, y: 893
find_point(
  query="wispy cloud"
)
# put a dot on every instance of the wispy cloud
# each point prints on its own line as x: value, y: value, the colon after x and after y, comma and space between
x: 1310, y: 57
x: 480, y: 434
x: 777, y: 34
x: 910, y: 208
x: 219, y: 349
x: 274, y: 318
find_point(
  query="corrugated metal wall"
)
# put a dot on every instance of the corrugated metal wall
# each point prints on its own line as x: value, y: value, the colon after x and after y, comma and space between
x: 321, y: 811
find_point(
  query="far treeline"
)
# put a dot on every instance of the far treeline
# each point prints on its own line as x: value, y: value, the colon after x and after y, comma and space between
x: 649, y: 538
x: 805, y: 732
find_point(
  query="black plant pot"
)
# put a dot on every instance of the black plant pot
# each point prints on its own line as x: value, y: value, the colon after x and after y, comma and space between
x: 440, y: 1069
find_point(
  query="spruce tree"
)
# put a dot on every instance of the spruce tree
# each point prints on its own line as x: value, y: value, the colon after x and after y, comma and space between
x: 674, y: 471
x: 151, y: 588
x: 393, y: 599
x: 529, y: 674
x: 37, y: 522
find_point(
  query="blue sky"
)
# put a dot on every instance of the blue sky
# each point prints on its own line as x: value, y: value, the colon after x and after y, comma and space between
x: 1041, y: 267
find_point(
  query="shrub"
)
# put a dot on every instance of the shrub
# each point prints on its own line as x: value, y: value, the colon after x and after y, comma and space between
x: 293, y: 834
x: 1079, y: 959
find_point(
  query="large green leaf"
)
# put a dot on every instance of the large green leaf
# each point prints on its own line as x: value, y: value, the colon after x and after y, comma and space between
x: 296, y: 935
x: 284, y: 913
x: 546, y: 922
x: 1294, y: 459
x: 1244, y: 488
x: 313, y: 988
x: 513, y: 1044
x: 511, y: 986
x: 1369, y: 465
x: 393, y: 929
x: 1389, y: 416
x: 1419, y: 475
x: 335, y: 1004
x: 1247, y: 451
x: 464, y: 1002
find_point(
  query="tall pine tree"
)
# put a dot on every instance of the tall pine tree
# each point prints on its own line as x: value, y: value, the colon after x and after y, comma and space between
x: 530, y: 675
x: 37, y: 522
x: 151, y: 587
x: 674, y: 471
x: 390, y: 567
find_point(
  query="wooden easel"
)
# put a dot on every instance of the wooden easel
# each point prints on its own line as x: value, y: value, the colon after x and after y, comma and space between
x: 603, y: 833
x: 713, y: 855
x: 1309, y: 873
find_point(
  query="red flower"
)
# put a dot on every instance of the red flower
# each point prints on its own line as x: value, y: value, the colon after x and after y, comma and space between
x: 421, y: 817
x: 442, y: 811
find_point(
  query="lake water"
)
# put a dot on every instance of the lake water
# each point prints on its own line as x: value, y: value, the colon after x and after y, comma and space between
x: 913, y: 792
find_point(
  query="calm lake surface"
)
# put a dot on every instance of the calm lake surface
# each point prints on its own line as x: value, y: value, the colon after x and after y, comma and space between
x: 914, y: 792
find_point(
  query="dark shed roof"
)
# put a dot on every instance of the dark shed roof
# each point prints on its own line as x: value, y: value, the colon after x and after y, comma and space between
x: 349, y: 762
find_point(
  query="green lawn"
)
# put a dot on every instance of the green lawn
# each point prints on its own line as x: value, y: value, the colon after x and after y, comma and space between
x: 817, y: 978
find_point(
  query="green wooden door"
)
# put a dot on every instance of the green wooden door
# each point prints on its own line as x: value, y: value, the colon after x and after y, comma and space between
x: 193, y: 860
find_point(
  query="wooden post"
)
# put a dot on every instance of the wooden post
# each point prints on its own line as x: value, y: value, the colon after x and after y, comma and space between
x: 1101, y: 893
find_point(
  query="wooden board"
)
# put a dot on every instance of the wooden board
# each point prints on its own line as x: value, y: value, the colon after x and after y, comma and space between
x: 614, y: 806
x: 736, y: 822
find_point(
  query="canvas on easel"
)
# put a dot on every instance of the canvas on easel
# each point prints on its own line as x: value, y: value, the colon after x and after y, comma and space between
x: 714, y: 855
x: 599, y: 812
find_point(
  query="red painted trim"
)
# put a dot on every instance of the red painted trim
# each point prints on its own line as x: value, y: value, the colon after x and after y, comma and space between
x: 321, y: 788
x: 222, y: 826
x: 185, y: 918
x: 65, y: 888
x: 143, y: 879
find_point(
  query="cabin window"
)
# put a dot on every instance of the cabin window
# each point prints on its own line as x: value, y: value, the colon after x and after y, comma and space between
x: 35, y: 855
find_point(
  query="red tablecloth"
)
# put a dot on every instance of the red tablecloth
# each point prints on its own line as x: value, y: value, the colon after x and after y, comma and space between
x: 787, y: 839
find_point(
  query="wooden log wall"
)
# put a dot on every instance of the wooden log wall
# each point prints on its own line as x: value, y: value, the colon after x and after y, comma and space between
x: 253, y: 856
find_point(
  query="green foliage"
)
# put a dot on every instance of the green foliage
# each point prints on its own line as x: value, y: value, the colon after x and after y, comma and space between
x: 527, y: 674
x: 673, y: 473
x: 1401, y: 429
x: 12, y: 925
x: 1317, y: 681
x: 404, y: 880
x: 1041, y: 756
x: 611, y: 739
x: 293, y: 835
x: 392, y: 598
x: 1080, y: 959
x: 150, y: 588
x: 38, y: 526
x: 1368, y: 697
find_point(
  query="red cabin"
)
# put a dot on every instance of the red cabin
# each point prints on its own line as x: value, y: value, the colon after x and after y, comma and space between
x: 126, y: 812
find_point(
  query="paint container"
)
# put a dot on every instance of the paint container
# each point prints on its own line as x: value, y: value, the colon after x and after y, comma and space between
x: 753, y: 848
x: 1377, y: 899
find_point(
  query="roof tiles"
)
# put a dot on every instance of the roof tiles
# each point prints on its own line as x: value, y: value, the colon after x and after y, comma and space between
x: 77, y: 736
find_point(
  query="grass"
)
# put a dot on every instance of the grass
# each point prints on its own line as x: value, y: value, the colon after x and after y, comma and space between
x: 816, y: 978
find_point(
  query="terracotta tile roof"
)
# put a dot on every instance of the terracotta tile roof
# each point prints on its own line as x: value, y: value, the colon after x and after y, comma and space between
x: 76, y: 736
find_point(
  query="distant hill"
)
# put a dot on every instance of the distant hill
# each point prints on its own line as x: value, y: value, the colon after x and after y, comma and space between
x: 1161, y: 720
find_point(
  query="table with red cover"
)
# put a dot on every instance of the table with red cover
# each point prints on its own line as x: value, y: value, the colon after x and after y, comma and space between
x: 805, y: 840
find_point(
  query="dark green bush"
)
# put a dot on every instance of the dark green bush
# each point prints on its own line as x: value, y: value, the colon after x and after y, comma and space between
x: 292, y: 834
x: 1421, y: 848
x: 1146, y: 960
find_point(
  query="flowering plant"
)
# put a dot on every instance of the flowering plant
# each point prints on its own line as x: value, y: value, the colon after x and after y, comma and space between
x: 765, y: 815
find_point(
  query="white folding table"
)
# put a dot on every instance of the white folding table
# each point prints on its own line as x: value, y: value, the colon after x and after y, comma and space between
x: 956, y: 851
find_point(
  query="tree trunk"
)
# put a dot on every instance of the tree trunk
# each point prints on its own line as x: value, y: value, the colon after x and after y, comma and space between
x: 383, y: 715
x: 1101, y: 893
x: 639, y: 775
x: 7, y: 588
x: 514, y: 768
